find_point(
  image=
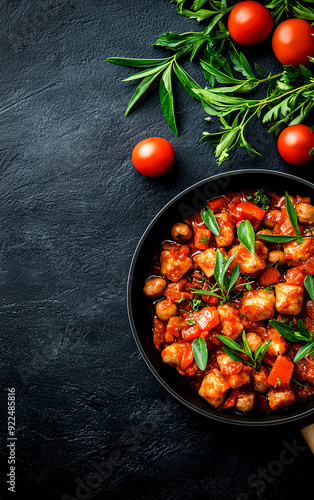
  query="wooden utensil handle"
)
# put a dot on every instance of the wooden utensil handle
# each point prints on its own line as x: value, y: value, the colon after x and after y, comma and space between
x: 308, y: 434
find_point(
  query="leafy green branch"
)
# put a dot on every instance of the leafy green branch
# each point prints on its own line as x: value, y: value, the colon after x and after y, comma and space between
x: 290, y: 98
x: 233, y: 348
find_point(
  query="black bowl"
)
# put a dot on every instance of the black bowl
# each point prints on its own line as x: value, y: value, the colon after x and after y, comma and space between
x: 139, y: 307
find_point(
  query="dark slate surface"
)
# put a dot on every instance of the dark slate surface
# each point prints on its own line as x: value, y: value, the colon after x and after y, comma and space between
x: 72, y: 211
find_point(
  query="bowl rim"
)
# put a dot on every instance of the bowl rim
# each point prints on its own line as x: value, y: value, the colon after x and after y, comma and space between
x: 247, y: 421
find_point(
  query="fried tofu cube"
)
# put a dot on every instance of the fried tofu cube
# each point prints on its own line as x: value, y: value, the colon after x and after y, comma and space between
x: 239, y: 379
x: 246, y: 401
x: 172, y: 354
x: 299, y: 252
x: 214, y: 388
x: 280, y: 398
x: 258, y: 305
x: 278, y: 342
x: 230, y: 320
x: 254, y: 340
x: 248, y: 262
x: 175, y: 262
x: 227, y: 366
x: 260, y: 380
x: 289, y: 299
x: 226, y: 227
x: 206, y: 261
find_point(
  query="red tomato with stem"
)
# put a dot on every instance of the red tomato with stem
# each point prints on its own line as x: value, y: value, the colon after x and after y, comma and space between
x: 153, y: 156
x: 293, y: 42
x: 295, y: 143
x: 249, y: 23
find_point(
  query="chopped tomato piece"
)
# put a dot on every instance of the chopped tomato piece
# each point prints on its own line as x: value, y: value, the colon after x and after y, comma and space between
x: 206, y: 319
x: 201, y: 237
x: 217, y: 204
x: 269, y: 277
x: 159, y: 332
x: 281, y: 372
x: 175, y: 325
x: 187, y: 357
x: 230, y: 400
x: 191, y: 333
x: 250, y: 208
x: 295, y: 277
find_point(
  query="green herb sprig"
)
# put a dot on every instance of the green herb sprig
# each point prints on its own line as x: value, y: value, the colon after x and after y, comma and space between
x: 279, y: 238
x: 294, y: 334
x: 289, y: 97
x: 233, y: 348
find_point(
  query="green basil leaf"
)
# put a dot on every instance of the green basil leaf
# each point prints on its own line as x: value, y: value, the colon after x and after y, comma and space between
x: 286, y: 331
x: 200, y: 352
x: 234, y: 356
x: 234, y: 276
x: 309, y: 285
x: 303, y: 351
x: 293, y: 216
x: 140, y: 89
x: 210, y: 220
x: 246, y: 235
x: 230, y: 343
x: 276, y: 238
x: 137, y: 63
x: 166, y: 99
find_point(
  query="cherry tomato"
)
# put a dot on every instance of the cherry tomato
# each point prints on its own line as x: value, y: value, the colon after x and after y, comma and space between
x: 153, y: 156
x: 293, y: 41
x: 295, y: 143
x: 249, y: 23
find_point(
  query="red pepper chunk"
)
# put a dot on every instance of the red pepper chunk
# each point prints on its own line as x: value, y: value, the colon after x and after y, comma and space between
x: 187, y: 357
x: 217, y: 204
x: 206, y: 319
x: 282, y: 370
x: 249, y: 208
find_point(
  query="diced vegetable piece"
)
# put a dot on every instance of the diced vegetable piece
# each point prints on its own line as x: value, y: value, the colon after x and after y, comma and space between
x: 206, y: 319
x: 249, y: 208
x: 281, y: 371
x: 216, y: 204
x: 201, y: 237
x: 269, y: 277
x: 159, y: 332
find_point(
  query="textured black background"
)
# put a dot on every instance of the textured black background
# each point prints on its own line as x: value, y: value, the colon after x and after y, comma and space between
x: 72, y: 211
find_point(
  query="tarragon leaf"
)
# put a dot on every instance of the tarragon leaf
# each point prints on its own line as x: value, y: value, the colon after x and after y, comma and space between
x: 200, y: 352
x: 166, y: 99
x: 246, y: 235
x: 209, y: 219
